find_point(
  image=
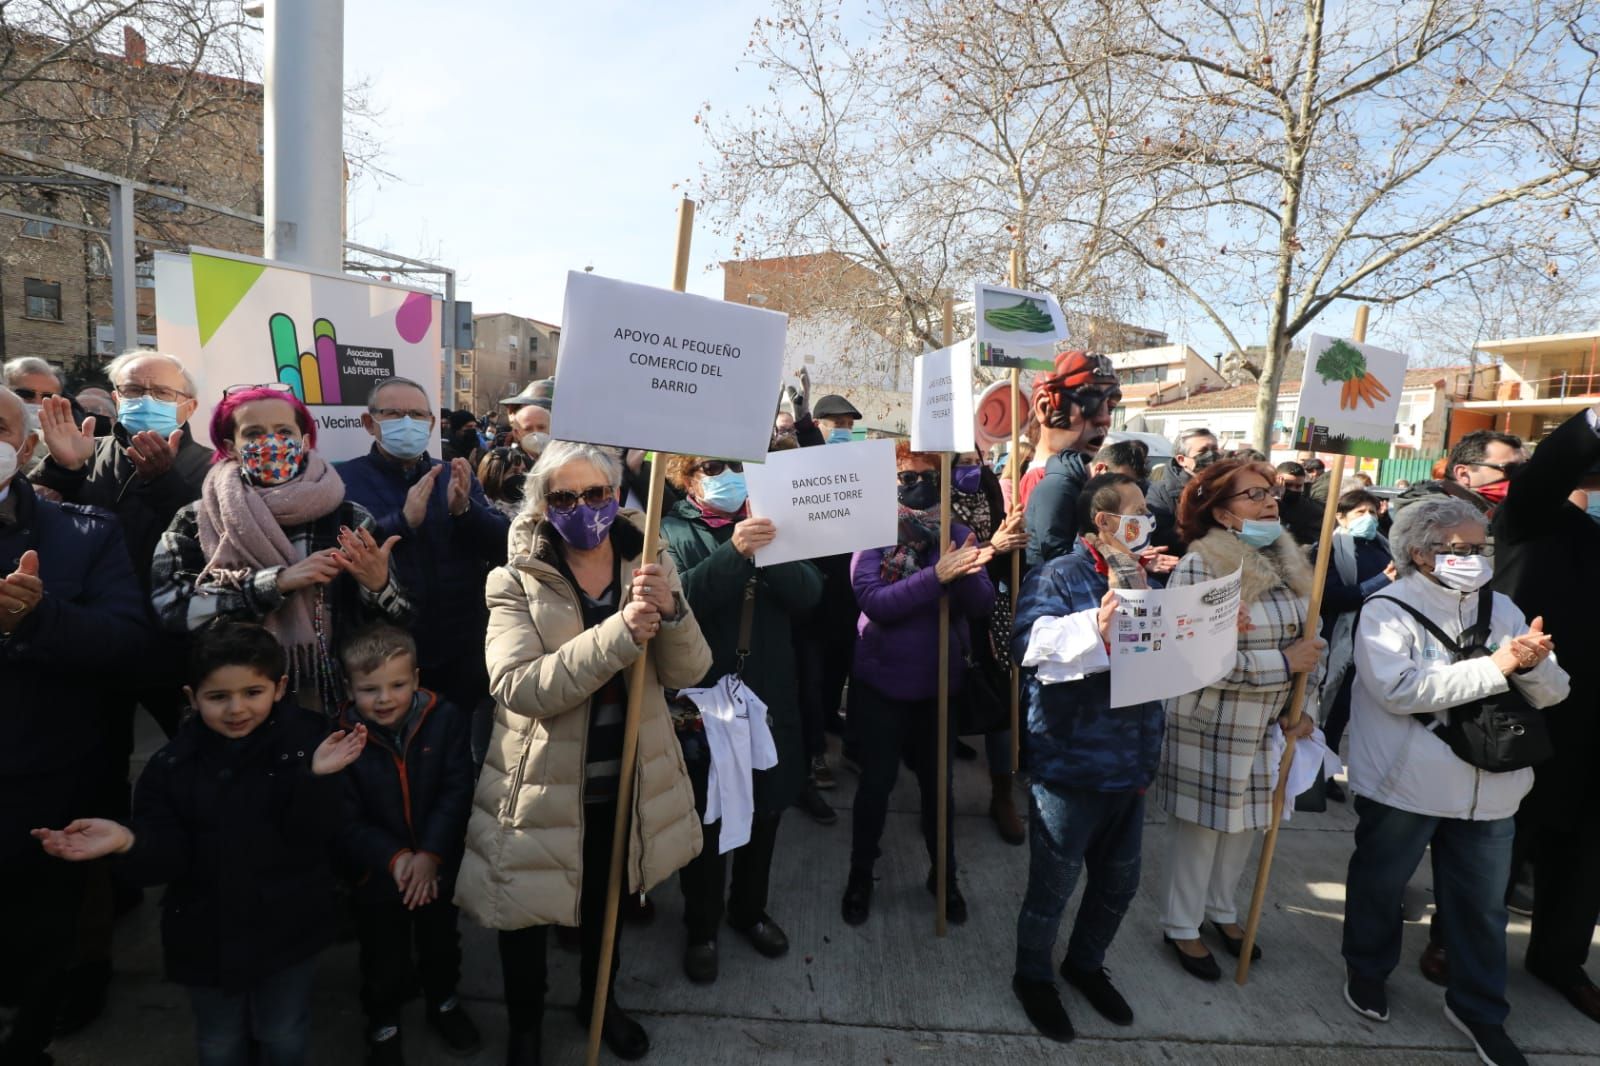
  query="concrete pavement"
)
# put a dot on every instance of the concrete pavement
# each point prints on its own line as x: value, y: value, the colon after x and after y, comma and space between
x: 889, y: 992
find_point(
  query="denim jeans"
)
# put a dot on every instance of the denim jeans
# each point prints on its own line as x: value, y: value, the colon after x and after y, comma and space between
x: 1471, y: 862
x: 274, y: 1013
x: 1069, y: 828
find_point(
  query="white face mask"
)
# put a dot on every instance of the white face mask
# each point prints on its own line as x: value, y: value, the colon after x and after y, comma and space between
x: 1134, y: 530
x: 8, y: 463
x: 1464, y: 573
x: 534, y: 443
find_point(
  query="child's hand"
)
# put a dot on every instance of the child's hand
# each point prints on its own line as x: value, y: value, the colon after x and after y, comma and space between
x: 86, y: 838
x: 424, y: 886
x: 402, y: 871
x: 338, y: 751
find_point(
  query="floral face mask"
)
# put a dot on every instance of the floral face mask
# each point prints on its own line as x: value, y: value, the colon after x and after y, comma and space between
x: 272, y: 460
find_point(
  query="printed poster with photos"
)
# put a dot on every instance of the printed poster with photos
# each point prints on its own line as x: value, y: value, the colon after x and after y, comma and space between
x: 1168, y: 642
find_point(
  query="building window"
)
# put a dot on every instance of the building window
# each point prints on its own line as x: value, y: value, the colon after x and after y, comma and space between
x: 511, y: 342
x: 464, y: 359
x: 533, y: 344
x: 99, y: 260
x: 34, y: 228
x: 144, y: 274
x: 463, y: 383
x: 167, y: 203
x: 44, y: 299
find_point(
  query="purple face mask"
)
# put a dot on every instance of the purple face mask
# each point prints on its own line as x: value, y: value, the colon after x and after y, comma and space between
x: 968, y: 479
x: 585, y: 527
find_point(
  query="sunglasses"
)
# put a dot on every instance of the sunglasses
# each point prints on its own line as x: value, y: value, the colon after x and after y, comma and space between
x: 715, y: 467
x: 270, y: 386
x: 908, y: 478
x: 34, y: 395
x: 593, y: 497
x: 1090, y: 401
x: 1507, y: 469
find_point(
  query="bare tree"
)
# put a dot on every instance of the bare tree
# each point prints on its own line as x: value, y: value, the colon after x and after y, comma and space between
x: 1368, y: 152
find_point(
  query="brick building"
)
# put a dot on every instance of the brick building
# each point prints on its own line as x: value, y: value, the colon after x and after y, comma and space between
x: 160, y: 120
x: 509, y: 352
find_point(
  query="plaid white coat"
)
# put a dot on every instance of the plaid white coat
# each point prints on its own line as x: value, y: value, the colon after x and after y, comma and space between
x: 1216, y: 765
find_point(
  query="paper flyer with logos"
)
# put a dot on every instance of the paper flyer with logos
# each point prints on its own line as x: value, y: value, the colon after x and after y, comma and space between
x: 1168, y: 642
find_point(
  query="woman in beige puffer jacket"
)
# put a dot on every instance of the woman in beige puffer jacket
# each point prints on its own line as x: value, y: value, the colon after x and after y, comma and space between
x: 537, y: 853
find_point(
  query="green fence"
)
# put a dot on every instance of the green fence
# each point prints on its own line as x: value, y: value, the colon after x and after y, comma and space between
x: 1412, y: 470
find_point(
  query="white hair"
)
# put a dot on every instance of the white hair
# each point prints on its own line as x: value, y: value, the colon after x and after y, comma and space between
x: 15, y: 370
x: 27, y: 420
x: 557, y: 454
x: 115, y: 368
x: 1423, y: 522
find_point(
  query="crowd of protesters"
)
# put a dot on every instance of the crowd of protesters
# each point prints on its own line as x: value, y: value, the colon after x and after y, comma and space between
x: 439, y: 651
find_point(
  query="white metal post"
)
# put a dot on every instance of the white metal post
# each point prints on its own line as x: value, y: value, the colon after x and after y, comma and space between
x: 124, y: 302
x: 304, y: 130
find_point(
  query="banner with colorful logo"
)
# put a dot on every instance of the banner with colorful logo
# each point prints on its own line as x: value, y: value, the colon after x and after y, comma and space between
x: 237, y: 320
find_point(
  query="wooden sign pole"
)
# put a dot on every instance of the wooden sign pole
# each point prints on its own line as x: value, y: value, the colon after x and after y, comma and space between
x: 942, y: 848
x: 636, y: 684
x: 1014, y: 469
x: 1297, y: 695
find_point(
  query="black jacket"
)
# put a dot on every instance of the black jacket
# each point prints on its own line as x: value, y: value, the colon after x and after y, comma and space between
x: 238, y: 831
x: 145, y: 508
x: 1163, y: 502
x: 412, y: 798
x: 1052, y: 515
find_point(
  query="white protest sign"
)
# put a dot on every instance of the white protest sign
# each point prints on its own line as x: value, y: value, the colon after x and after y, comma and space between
x: 1167, y: 642
x: 1349, y: 398
x: 825, y: 501
x: 941, y: 400
x: 642, y: 367
x: 1017, y: 328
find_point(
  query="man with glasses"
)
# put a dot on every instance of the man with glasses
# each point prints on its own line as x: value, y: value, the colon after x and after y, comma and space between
x: 1192, y: 445
x: 450, y: 537
x: 1073, y: 405
x: 33, y: 380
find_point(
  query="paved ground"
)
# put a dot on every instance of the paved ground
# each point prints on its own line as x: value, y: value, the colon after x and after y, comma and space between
x: 888, y: 992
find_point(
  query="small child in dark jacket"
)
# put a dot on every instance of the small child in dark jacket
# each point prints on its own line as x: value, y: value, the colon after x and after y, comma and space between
x: 406, y: 802
x: 232, y: 816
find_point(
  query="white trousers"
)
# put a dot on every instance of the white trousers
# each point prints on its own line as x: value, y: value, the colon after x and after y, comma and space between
x: 1203, y: 870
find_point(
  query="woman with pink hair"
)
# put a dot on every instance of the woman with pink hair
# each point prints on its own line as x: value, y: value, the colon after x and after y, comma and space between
x: 273, y: 540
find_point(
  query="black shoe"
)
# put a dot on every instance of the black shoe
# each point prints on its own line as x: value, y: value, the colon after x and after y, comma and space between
x: 964, y: 751
x: 822, y: 773
x: 383, y: 1047
x: 522, y: 1048
x: 1097, y: 988
x: 765, y: 937
x: 1043, y: 1007
x: 1235, y: 944
x: 1493, y: 1046
x: 955, y: 904
x: 811, y: 801
x: 1335, y: 791
x: 857, y: 902
x: 1581, y: 992
x: 700, y: 962
x: 1366, y: 997
x: 1434, y: 965
x: 1205, y: 967
x: 625, y: 1037
x: 83, y: 997
x: 1520, y: 899
x: 455, y: 1027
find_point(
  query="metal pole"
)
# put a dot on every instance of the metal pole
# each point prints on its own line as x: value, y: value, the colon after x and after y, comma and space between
x: 447, y: 343
x: 124, y: 300
x: 303, y: 78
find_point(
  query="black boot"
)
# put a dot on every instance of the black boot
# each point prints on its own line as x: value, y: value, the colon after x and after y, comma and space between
x: 857, y: 903
x: 625, y: 1037
x: 522, y: 1047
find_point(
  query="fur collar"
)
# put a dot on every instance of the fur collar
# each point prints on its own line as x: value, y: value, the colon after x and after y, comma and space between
x: 1282, y: 563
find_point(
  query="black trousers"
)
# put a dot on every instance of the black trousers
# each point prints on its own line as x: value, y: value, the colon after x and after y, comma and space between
x: 1566, y: 893
x: 522, y: 951
x: 703, y: 880
x: 401, y: 947
x: 464, y: 681
x: 883, y: 730
x: 808, y: 686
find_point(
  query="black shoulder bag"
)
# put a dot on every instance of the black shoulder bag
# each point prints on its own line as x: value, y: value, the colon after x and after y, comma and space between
x: 1498, y: 733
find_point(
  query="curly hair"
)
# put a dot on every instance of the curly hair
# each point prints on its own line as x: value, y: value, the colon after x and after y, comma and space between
x: 680, y: 471
x: 1210, y: 489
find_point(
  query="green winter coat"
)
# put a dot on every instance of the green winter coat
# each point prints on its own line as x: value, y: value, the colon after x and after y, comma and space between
x: 714, y: 575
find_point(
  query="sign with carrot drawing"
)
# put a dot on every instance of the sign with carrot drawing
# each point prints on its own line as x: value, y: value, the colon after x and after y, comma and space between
x: 1349, y: 398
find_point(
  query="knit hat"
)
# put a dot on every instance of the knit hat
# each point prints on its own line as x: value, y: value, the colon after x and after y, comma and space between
x: 458, y: 419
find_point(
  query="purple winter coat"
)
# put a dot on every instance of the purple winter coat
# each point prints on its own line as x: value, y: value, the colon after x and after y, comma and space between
x: 898, y: 653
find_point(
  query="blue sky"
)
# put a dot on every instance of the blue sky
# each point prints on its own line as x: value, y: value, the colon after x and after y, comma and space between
x: 533, y: 138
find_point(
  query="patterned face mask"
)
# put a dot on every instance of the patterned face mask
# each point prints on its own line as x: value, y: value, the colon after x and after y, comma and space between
x: 272, y: 461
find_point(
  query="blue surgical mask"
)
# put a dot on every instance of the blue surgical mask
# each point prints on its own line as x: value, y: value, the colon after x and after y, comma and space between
x: 1363, y: 527
x: 841, y: 436
x: 405, y: 437
x: 1260, y: 532
x: 725, y: 492
x: 148, y: 414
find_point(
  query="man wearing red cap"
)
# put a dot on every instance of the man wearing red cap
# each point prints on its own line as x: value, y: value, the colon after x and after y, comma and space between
x: 1074, y: 406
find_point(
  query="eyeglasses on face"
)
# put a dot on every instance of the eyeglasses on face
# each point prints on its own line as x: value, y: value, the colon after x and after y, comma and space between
x: 1485, y: 550
x: 1505, y: 468
x: 270, y: 386
x: 131, y: 391
x: 564, y: 502
x: 384, y: 414
x: 908, y: 478
x: 1256, y: 495
x: 34, y: 395
x: 716, y: 467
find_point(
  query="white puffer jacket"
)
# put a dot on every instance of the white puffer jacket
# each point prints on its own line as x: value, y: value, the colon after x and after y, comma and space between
x: 1402, y: 670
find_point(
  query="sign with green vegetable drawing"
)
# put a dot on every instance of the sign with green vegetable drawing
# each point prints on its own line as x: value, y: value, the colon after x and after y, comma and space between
x: 1349, y: 398
x: 1016, y: 328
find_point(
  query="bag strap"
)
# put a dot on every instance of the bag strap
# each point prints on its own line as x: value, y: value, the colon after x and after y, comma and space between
x: 747, y: 620
x: 1426, y: 623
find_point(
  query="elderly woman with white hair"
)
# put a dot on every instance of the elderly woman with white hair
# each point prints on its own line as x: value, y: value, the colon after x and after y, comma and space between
x: 1436, y: 652
x: 569, y: 616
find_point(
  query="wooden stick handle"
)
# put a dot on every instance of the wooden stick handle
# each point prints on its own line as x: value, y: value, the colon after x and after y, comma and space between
x: 1014, y: 469
x: 638, y: 676
x: 942, y: 848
